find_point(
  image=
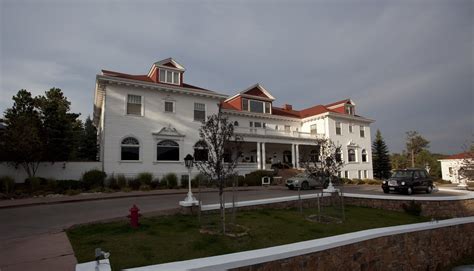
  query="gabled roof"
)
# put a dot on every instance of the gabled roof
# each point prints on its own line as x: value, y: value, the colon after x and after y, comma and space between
x: 315, y: 110
x: 463, y: 155
x: 169, y: 62
x: 345, y: 101
x: 256, y: 90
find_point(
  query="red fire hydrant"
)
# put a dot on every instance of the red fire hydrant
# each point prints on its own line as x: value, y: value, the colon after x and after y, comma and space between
x: 134, y: 215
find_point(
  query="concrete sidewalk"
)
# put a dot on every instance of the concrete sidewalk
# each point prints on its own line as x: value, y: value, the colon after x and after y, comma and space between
x: 44, y: 252
x: 56, y: 199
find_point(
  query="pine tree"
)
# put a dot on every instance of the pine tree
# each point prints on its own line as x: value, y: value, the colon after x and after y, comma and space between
x: 380, y: 158
x: 88, y: 147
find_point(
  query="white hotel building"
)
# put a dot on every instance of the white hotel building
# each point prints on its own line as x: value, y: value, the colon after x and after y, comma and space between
x: 149, y: 123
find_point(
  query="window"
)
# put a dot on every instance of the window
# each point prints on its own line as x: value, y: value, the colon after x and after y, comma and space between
x: 450, y: 170
x: 365, y: 174
x: 338, y: 155
x: 236, y: 123
x: 276, y: 127
x: 257, y: 124
x: 130, y: 149
x: 349, y: 109
x: 314, y: 129
x: 134, y: 105
x: 199, y: 112
x: 360, y: 174
x: 287, y: 128
x: 201, y: 152
x: 346, y: 174
x: 268, y: 108
x: 251, y: 124
x: 338, y: 128
x: 169, y: 106
x: 350, y: 128
x: 362, y: 131
x: 167, y: 150
x: 364, y: 156
x: 245, y: 104
x: 169, y: 77
x: 351, y: 155
x: 256, y: 106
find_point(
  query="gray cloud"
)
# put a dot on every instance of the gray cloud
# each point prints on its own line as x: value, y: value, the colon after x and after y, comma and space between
x: 407, y: 64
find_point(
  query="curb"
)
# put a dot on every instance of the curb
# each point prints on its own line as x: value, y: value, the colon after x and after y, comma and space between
x: 105, y: 198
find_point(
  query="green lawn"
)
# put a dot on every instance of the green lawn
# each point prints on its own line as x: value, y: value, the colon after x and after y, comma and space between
x: 175, y: 238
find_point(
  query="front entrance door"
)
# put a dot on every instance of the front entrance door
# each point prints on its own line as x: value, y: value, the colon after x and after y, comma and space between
x: 287, y: 157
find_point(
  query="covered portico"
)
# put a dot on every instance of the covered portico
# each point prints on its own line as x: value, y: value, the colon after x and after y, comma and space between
x: 262, y: 153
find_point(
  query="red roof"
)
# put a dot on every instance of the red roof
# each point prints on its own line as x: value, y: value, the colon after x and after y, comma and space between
x: 144, y: 78
x: 339, y: 102
x: 462, y: 155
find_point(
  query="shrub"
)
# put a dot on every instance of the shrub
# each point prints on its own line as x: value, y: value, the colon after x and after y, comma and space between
x: 62, y: 186
x: 171, y: 180
x: 33, y: 184
x: 72, y: 192
x: 7, y: 184
x: 93, y: 178
x: 145, y: 187
x: 134, y: 184
x: 347, y: 181
x: 111, y: 183
x: 145, y: 178
x: 441, y: 181
x: 255, y: 177
x: 184, y: 181
x: 201, y: 179
x: 122, y: 181
x: 413, y: 208
x: 155, y: 183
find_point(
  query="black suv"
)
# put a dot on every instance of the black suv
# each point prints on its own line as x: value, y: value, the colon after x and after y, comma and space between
x: 408, y: 180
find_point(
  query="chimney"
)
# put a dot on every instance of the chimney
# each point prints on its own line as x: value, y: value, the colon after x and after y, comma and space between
x: 288, y: 107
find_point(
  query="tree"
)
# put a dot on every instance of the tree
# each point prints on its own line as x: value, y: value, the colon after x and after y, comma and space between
x: 380, y: 158
x: 415, y: 144
x: 223, y: 149
x: 327, y: 163
x: 88, y: 147
x: 23, y: 137
x: 59, y: 125
x: 399, y: 161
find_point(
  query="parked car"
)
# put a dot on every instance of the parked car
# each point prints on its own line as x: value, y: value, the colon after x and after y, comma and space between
x: 306, y: 181
x: 408, y: 181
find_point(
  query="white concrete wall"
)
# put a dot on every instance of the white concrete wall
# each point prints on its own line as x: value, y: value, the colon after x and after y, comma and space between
x: 449, y: 170
x: 119, y: 125
x: 57, y: 170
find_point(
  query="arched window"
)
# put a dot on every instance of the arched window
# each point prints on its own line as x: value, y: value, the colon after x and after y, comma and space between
x: 130, y: 149
x: 167, y: 150
x: 236, y: 123
x: 364, y: 155
x: 201, y: 151
x: 351, y: 155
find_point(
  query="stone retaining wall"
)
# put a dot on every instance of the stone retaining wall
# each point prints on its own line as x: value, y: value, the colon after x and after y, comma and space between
x: 434, y: 249
x: 430, y: 208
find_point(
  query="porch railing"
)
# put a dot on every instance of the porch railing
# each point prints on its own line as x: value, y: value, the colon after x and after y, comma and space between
x: 272, y: 132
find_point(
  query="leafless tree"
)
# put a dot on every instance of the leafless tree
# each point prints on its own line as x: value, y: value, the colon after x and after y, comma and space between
x: 223, y: 150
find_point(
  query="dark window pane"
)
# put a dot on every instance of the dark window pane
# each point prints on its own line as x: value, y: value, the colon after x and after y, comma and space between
x: 130, y: 153
x: 256, y: 106
x: 167, y: 153
x: 199, y: 115
x: 201, y: 154
x: 134, y: 109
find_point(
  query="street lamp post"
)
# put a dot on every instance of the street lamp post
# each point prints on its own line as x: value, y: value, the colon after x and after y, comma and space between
x: 190, y: 200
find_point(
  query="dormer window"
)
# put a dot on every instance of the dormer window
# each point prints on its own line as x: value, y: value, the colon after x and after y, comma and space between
x: 349, y: 109
x: 256, y: 106
x: 169, y: 77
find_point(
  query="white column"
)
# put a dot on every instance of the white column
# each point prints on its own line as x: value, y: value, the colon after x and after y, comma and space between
x: 297, y: 162
x: 264, y: 158
x: 293, y: 155
x: 259, y: 161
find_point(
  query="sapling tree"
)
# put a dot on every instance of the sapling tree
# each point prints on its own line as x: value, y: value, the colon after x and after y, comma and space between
x: 223, y: 149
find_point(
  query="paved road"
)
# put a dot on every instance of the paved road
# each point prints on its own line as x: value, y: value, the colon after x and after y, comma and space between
x: 32, y: 220
x: 32, y: 237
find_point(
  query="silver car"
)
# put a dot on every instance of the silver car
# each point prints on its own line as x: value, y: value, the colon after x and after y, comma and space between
x: 306, y: 181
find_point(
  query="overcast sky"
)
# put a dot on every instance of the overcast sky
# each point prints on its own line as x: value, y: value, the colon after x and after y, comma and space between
x: 406, y: 64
